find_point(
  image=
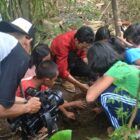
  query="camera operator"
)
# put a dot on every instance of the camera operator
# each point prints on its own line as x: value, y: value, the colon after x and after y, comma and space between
x: 16, y: 39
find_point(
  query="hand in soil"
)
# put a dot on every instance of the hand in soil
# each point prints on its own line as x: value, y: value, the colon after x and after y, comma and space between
x: 43, y: 130
x: 84, y: 87
x: 70, y: 115
x: 97, y: 110
x: 80, y: 104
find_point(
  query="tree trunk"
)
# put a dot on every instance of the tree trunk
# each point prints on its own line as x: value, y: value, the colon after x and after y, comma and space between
x: 116, y: 17
x: 25, y: 8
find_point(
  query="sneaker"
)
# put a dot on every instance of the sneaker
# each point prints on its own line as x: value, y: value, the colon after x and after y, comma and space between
x: 68, y: 86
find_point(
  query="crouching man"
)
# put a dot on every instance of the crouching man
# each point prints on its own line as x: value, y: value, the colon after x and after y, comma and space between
x: 15, y: 43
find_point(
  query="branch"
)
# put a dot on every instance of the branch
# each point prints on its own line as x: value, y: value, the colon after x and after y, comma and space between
x: 102, y: 14
x: 134, y: 113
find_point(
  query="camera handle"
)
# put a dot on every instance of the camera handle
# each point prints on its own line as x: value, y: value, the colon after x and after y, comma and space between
x: 22, y: 91
x: 50, y: 123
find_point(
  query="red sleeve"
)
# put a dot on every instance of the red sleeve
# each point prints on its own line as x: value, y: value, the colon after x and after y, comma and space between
x: 18, y: 93
x: 44, y: 88
x: 61, y: 57
x: 82, y: 54
x: 62, y: 62
x: 25, y: 84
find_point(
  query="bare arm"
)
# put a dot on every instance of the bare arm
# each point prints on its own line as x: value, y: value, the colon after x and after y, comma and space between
x: 20, y: 100
x: 137, y: 62
x: 14, y: 111
x: 82, y: 86
x: 19, y: 108
x: 68, y: 114
x: 85, y: 60
x: 126, y: 42
x: 78, y: 103
x: 98, y: 87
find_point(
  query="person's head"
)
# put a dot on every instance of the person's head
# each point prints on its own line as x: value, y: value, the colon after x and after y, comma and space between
x: 40, y: 53
x: 101, y: 57
x: 47, y: 71
x: 132, y: 34
x: 118, y: 46
x: 84, y: 37
x: 21, y: 29
x: 102, y: 34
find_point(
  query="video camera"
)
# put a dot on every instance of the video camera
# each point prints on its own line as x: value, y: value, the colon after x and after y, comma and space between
x: 30, y: 124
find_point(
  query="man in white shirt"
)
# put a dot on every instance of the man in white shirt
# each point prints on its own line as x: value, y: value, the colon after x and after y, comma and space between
x: 15, y: 43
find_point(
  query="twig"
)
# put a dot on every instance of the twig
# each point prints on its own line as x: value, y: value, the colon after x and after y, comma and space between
x: 104, y: 11
x: 45, y: 136
x: 134, y: 113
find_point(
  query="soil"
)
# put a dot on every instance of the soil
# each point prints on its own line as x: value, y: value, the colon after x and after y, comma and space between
x: 88, y: 124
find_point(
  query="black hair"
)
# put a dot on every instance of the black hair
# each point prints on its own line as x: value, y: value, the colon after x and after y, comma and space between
x: 133, y: 33
x: 117, y: 45
x: 85, y: 34
x: 101, y: 57
x: 38, y: 53
x: 46, y: 69
x: 102, y: 33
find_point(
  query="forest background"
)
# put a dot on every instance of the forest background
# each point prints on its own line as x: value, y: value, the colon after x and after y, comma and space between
x: 53, y: 17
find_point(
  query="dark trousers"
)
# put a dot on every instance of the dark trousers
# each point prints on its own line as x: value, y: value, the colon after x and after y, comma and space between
x: 77, y: 66
x: 118, y: 106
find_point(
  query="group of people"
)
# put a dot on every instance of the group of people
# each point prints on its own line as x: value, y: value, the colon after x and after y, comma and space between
x: 112, y: 63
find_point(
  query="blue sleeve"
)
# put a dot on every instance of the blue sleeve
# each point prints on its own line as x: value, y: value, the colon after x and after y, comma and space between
x: 131, y: 55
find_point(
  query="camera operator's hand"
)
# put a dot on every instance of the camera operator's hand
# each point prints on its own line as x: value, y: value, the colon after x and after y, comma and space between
x: 33, y: 105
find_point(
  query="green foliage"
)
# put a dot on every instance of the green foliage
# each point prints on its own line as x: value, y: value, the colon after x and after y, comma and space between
x: 72, y: 22
x: 38, y: 10
x: 87, y: 10
x: 62, y: 135
x: 4, y: 10
x: 129, y: 10
x: 122, y: 115
x: 73, y: 14
x: 119, y: 133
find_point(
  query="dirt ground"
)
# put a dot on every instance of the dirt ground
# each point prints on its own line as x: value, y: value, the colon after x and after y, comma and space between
x: 88, y: 124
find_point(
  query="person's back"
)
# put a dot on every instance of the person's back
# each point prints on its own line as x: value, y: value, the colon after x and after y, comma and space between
x: 118, y: 45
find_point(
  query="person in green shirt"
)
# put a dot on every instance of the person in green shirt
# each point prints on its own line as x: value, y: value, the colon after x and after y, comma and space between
x: 116, y: 86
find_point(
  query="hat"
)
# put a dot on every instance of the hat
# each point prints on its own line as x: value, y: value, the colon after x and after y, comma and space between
x: 18, y: 25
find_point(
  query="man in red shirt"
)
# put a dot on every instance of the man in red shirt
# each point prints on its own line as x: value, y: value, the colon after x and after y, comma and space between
x: 69, y: 52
